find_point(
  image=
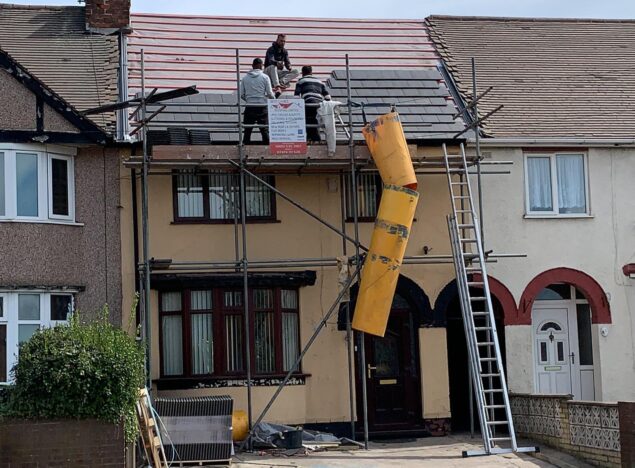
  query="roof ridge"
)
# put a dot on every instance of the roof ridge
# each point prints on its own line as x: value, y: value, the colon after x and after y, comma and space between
x: 282, y: 18
x: 529, y: 19
x: 15, y: 6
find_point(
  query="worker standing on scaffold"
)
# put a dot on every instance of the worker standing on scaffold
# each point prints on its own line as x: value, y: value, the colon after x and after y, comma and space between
x: 278, y: 66
x: 255, y: 89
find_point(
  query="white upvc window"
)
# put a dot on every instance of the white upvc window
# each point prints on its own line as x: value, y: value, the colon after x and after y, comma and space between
x: 556, y: 184
x: 36, y: 185
x: 22, y: 313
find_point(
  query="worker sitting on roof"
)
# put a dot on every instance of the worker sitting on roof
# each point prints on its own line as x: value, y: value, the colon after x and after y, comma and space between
x: 255, y: 89
x: 276, y: 60
x: 313, y: 91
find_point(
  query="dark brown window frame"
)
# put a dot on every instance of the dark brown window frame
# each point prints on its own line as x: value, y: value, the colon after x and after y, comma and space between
x: 206, y: 219
x: 363, y: 219
x: 219, y: 311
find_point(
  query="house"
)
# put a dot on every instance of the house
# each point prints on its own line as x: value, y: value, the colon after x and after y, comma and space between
x: 198, y: 330
x: 567, y: 127
x: 59, y: 189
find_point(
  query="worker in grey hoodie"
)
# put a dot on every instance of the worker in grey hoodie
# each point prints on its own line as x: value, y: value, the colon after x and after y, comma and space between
x: 255, y: 89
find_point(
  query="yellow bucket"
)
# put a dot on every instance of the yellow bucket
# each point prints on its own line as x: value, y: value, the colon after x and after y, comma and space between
x: 240, y: 426
x: 387, y: 144
x: 383, y: 261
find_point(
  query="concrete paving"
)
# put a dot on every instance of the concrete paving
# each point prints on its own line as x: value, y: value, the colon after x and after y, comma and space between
x: 430, y: 451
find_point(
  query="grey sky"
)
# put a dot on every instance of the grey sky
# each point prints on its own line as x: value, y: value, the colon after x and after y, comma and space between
x: 383, y: 8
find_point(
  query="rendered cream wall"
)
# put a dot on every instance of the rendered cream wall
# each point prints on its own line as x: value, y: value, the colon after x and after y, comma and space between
x: 599, y: 246
x: 325, y: 395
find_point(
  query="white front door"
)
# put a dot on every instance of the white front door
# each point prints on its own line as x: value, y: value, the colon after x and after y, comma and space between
x: 552, y: 355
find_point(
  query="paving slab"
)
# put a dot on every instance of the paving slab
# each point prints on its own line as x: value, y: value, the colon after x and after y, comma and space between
x: 427, y: 452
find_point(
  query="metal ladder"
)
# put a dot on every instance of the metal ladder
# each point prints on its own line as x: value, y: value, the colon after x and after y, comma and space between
x: 486, y: 368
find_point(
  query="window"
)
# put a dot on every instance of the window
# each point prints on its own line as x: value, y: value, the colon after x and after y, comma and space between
x: 369, y: 187
x: 22, y: 314
x: 203, y: 332
x: 36, y: 186
x: 556, y: 184
x: 214, y: 197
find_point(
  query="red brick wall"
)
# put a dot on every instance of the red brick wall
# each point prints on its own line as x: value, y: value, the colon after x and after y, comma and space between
x: 63, y: 443
x: 627, y: 432
x: 108, y: 13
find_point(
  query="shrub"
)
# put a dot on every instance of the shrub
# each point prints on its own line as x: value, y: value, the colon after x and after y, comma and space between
x: 81, y: 371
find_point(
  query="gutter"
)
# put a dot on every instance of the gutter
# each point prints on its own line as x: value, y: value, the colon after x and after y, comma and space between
x: 565, y: 142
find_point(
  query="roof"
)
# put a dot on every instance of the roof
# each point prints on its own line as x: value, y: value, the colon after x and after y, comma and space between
x: 426, y: 111
x: 90, y: 132
x: 392, y: 61
x: 555, y: 78
x: 52, y: 43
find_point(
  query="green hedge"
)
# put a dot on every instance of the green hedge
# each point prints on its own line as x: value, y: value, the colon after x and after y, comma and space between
x: 81, y: 371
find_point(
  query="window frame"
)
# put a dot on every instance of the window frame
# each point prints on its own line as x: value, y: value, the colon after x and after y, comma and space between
x: 555, y: 212
x: 45, y: 155
x: 219, y: 313
x: 70, y: 171
x: 12, y: 321
x: 206, y: 218
x: 361, y: 219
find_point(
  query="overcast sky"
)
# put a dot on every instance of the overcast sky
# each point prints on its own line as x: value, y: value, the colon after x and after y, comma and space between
x: 382, y: 8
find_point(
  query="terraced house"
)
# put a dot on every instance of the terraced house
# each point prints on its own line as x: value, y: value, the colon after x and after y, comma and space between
x: 556, y: 226
x: 567, y: 126
x: 59, y: 219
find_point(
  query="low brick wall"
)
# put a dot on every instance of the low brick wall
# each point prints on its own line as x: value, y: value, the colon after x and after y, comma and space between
x: 588, y: 430
x: 627, y: 432
x: 62, y: 443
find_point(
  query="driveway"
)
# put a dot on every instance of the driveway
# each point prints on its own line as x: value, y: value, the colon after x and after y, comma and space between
x: 431, y: 451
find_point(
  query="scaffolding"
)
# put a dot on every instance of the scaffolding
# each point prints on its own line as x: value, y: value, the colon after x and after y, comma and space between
x: 244, y: 169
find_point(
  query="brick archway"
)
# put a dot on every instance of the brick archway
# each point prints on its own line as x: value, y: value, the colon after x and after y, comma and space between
x: 592, y: 291
x: 497, y: 289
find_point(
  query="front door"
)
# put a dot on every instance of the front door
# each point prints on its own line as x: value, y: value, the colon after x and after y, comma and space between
x: 392, y: 376
x: 553, y: 359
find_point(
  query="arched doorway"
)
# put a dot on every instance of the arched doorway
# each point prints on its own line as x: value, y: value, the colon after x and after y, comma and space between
x: 393, y: 370
x: 448, y: 304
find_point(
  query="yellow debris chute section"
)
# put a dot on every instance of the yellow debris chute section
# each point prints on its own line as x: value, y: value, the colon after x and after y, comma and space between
x: 389, y: 149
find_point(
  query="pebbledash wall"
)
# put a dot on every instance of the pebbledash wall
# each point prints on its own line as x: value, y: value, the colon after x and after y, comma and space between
x: 84, y: 253
x: 597, y: 245
x: 324, y: 395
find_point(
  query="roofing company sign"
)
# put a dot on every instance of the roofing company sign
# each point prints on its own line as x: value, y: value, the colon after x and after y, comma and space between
x: 287, y: 126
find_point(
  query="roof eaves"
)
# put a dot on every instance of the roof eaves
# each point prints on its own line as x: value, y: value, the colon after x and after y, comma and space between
x: 50, y: 97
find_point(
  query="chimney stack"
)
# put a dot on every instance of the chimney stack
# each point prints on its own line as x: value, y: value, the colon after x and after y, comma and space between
x: 107, y: 14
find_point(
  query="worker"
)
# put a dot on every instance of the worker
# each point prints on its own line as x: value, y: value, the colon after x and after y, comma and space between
x: 255, y: 89
x: 277, y: 65
x: 313, y: 91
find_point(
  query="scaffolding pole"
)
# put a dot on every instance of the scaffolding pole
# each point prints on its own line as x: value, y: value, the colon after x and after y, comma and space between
x: 147, y: 313
x: 349, y: 331
x: 245, y: 261
x: 351, y: 149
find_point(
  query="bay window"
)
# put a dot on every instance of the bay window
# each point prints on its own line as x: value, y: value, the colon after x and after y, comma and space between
x: 203, y: 332
x: 36, y: 185
x: 556, y: 184
x: 22, y: 314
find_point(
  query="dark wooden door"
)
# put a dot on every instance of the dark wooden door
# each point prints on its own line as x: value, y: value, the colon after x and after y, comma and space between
x: 392, y: 376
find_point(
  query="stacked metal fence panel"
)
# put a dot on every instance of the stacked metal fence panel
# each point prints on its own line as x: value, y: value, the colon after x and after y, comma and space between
x: 199, y: 429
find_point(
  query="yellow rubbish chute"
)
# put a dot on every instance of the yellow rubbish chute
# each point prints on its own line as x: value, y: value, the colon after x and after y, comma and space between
x: 387, y: 144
